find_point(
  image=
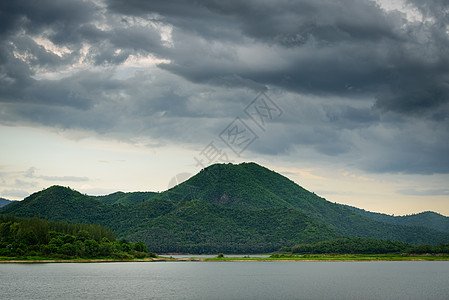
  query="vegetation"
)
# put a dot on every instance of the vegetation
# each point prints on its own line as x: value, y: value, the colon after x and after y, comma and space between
x: 426, y: 219
x: 334, y: 257
x: 126, y: 198
x: 198, y: 227
x: 190, y: 226
x: 428, y: 249
x: 364, y: 246
x: 31, y: 237
x: 249, y: 186
x: 351, y: 246
x: 225, y: 208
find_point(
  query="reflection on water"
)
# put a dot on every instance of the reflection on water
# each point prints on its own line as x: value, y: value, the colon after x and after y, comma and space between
x: 226, y: 280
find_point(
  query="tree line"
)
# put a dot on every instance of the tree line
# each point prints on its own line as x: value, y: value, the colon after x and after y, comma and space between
x: 364, y: 246
x: 22, y: 237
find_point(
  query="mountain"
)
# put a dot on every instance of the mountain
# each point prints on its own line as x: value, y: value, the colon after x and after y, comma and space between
x: 4, y: 202
x: 59, y: 203
x: 193, y: 226
x: 243, y: 208
x: 251, y: 186
x: 428, y: 219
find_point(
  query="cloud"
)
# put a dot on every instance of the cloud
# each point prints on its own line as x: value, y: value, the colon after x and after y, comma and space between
x: 344, y: 47
x: 425, y: 192
x: 359, y: 85
x: 31, y: 173
x: 13, y: 194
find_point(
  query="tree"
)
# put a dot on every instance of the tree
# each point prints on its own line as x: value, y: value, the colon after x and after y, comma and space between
x: 68, y: 249
x: 140, y: 246
x: 82, y: 235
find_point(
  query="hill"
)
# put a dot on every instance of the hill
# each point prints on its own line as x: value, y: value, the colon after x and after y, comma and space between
x: 249, y: 186
x: 4, y: 202
x: 243, y: 208
x: 59, y: 203
x: 193, y: 226
x: 428, y: 219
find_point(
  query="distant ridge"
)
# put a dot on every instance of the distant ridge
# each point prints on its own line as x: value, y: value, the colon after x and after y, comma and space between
x: 244, y: 208
x: 4, y: 202
x: 427, y: 219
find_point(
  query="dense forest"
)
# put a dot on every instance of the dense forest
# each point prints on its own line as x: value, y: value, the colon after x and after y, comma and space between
x: 428, y: 219
x: 349, y: 246
x: 28, y: 237
x: 364, y: 246
x: 227, y: 208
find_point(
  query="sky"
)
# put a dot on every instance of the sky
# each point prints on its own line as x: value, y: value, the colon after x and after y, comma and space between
x: 348, y: 98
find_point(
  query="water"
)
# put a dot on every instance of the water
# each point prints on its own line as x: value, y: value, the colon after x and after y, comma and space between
x: 226, y: 280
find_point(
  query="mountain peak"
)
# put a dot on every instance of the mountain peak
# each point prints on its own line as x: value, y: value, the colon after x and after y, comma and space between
x: 56, y: 202
x: 230, y: 185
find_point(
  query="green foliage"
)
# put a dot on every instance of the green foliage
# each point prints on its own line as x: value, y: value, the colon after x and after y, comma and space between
x: 351, y: 246
x: 122, y: 198
x: 365, y: 246
x: 442, y: 248
x: 427, y: 219
x: 59, y: 203
x: 198, y: 227
x: 38, y: 237
x: 140, y: 247
x: 249, y: 186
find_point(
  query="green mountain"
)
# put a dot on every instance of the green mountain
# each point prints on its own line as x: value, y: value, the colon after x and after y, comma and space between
x: 190, y: 226
x: 59, y: 203
x: 243, y: 208
x: 427, y: 219
x: 250, y: 186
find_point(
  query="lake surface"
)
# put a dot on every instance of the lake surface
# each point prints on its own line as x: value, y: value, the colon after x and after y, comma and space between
x: 226, y: 280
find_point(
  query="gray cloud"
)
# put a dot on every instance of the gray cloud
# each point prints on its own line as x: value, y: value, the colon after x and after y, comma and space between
x: 357, y: 83
x: 31, y: 173
x: 345, y: 47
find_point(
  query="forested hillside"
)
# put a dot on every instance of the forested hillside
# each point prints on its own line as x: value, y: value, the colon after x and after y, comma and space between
x: 364, y: 246
x: 125, y: 198
x: 243, y: 208
x: 427, y: 219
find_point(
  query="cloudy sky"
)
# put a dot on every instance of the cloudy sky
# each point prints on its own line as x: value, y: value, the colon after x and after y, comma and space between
x: 348, y: 98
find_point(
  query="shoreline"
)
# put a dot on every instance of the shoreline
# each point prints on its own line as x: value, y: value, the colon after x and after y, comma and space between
x: 310, y: 258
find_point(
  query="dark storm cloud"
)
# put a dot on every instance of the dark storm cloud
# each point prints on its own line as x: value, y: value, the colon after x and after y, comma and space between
x: 352, y: 75
x: 67, y: 24
x: 35, y: 16
x: 344, y: 47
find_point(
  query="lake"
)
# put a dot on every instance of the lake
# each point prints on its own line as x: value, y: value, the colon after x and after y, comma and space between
x: 226, y: 280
